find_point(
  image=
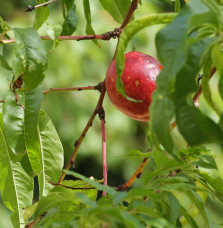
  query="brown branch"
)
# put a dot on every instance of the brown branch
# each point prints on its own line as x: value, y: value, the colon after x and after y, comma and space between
x: 31, y: 8
x: 77, y: 144
x: 132, y: 8
x: 197, y: 95
x: 105, y: 36
x: 137, y: 174
x: 53, y: 90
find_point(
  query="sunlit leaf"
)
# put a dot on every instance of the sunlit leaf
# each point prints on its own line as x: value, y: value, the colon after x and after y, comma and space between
x: 51, y: 154
x: 30, y: 59
x: 15, y: 184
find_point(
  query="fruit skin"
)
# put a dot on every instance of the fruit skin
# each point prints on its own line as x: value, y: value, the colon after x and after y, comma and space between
x: 139, y: 80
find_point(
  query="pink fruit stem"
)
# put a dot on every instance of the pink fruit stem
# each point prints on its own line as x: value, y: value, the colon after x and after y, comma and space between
x: 104, y: 161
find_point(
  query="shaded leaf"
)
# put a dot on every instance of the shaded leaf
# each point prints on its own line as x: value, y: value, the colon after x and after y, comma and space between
x: 70, y: 22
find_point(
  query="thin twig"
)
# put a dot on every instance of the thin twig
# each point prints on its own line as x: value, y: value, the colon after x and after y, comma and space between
x: 31, y: 8
x: 136, y: 174
x: 53, y: 90
x: 105, y: 36
x: 77, y: 144
x: 199, y: 92
x: 132, y: 8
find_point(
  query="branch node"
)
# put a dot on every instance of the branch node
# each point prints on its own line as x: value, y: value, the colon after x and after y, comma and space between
x: 30, y: 8
x: 101, y: 113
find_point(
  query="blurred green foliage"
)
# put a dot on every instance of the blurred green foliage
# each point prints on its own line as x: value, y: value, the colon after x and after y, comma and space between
x: 83, y: 63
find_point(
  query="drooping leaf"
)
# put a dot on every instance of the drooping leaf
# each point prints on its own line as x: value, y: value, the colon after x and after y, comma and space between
x: 30, y: 59
x: 51, y: 154
x: 15, y: 184
x: 42, y: 13
x: 196, y: 127
x: 116, y: 8
x: 87, y: 12
x: 70, y: 20
x: 32, y: 103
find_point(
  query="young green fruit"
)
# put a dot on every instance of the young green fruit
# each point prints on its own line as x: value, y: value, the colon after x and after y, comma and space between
x: 139, y: 80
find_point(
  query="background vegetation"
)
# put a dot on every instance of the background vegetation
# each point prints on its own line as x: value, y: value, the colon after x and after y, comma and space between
x: 82, y: 63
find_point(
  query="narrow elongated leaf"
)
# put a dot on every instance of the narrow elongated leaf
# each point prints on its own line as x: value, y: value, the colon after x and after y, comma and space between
x: 101, y: 187
x: 51, y: 154
x: 42, y: 13
x: 32, y: 103
x: 15, y: 184
x: 13, y: 118
x: 87, y: 12
x: 70, y: 22
x: 116, y: 8
x: 188, y: 217
x: 30, y: 59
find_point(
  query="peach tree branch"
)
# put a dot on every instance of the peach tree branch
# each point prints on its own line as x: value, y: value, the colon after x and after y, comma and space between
x: 31, y: 8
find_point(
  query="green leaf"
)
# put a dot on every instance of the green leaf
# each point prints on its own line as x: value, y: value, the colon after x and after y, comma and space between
x: 100, y: 187
x: 217, y: 58
x: 188, y: 217
x: 206, y: 88
x: 215, y: 9
x: 13, y: 118
x: 54, y: 199
x: 15, y: 184
x: 216, y: 184
x: 51, y: 154
x: 172, y: 46
x: 32, y: 103
x: 70, y: 22
x: 30, y: 59
x: 4, y: 64
x: 116, y: 8
x: 196, y: 128
x: 200, y: 206
x: 42, y: 13
x: 87, y: 12
x: 174, y: 207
